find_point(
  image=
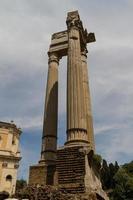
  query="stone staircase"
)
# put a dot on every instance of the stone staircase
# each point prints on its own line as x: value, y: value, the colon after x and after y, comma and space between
x: 71, y: 169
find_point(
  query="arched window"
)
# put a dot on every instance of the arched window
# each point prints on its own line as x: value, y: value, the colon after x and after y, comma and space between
x: 8, y: 181
x: 9, y: 178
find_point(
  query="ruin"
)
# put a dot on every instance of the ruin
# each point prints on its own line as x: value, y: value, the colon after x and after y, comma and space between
x: 71, y: 166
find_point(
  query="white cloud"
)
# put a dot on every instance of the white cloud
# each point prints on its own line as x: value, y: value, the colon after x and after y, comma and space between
x: 120, y: 146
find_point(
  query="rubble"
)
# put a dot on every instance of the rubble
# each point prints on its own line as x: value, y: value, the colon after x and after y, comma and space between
x: 51, y: 193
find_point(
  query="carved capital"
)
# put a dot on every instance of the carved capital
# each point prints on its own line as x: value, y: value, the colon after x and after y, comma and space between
x: 84, y: 52
x: 73, y: 20
x: 84, y: 55
x: 90, y: 37
x: 53, y: 57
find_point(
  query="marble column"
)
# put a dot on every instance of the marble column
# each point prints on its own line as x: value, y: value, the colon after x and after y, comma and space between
x: 76, y: 121
x: 49, y: 138
x: 87, y: 100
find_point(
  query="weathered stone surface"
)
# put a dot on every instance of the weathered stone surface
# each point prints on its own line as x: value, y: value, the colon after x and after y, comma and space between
x: 69, y: 167
x: 49, y: 139
x: 59, y: 43
x: 87, y: 100
x: 75, y: 173
x: 37, y: 174
x: 53, y: 193
x: 76, y: 119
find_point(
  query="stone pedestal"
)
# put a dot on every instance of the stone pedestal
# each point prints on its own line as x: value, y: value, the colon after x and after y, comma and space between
x: 43, y: 174
x: 37, y: 174
x: 74, y: 172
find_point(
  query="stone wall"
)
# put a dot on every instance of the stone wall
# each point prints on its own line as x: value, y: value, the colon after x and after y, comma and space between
x: 37, y: 174
x: 71, y: 169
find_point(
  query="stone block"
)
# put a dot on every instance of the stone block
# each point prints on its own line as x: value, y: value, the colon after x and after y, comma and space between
x: 42, y: 174
x: 37, y: 174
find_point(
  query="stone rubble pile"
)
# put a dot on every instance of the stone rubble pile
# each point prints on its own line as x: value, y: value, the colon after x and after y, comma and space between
x: 44, y: 193
x: 50, y: 193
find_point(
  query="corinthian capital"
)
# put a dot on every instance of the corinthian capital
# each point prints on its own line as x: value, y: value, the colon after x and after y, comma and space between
x: 73, y: 20
x: 84, y: 52
x: 53, y: 57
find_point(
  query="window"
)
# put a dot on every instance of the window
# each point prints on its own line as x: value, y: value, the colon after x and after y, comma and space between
x: 8, y: 181
x: 13, y: 140
x: 9, y: 178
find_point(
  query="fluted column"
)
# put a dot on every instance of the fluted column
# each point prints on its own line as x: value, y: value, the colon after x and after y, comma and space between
x: 49, y: 138
x: 76, y: 121
x: 87, y: 100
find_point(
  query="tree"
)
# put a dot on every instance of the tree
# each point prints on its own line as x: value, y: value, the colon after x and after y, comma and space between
x: 105, y: 175
x: 123, y: 185
x: 116, y: 166
x: 129, y: 168
x: 97, y: 160
x: 113, y: 168
x: 20, y: 184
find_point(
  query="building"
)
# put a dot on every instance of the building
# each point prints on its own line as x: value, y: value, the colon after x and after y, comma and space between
x: 9, y: 156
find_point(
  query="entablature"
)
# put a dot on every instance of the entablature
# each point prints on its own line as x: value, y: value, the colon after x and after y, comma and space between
x: 59, y: 43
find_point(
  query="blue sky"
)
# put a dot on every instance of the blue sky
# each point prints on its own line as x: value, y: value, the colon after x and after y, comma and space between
x: 25, y: 33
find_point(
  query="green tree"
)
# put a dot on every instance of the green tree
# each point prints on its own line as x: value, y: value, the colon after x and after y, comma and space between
x: 96, y: 163
x: 97, y: 160
x: 123, y: 186
x: 20, y: 184
x: 129, y: 168
x: 105, y: 175
x: 113, y: 168
x: 116, y: 166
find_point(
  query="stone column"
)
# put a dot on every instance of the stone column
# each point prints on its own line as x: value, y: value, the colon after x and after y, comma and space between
x: 76, y: 121
x: 49, y: 138
x: 87, y: 100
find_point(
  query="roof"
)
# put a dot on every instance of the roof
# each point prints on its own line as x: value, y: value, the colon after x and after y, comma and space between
x: 10, y: 125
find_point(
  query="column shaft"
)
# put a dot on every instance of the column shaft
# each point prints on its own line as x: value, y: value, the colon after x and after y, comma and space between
x: 76, y: 122
x: 49, y: 139
x: 87, y: 101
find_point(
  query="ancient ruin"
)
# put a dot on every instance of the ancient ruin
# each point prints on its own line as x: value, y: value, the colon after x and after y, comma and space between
x: 71, y: 166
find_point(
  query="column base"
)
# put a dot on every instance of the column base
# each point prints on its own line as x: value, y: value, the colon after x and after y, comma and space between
x: 77, y: 143
x: 37, y: 174
x: 43, y: 174
x: 76, y: 173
